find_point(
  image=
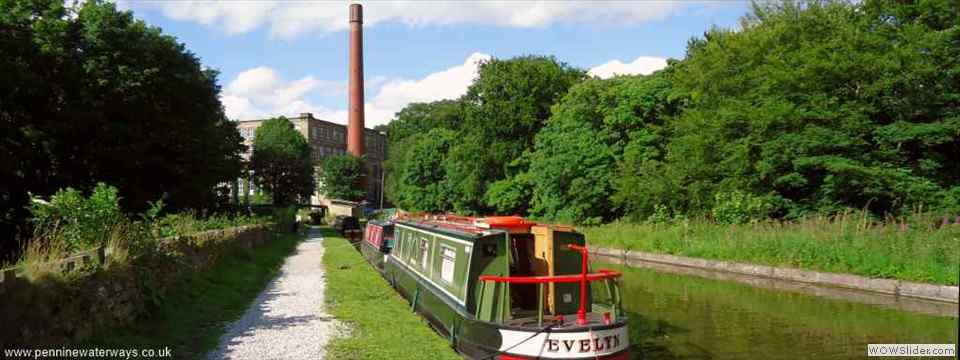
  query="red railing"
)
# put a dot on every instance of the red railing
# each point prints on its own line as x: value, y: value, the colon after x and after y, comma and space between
x: 583, y: 279
x: 601, y: 274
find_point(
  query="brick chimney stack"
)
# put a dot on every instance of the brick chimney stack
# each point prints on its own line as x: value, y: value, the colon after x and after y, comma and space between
x: 355, y: 132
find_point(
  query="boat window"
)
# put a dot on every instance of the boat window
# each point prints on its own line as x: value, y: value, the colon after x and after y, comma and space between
x: 448, y: 259
x: 424, y: 250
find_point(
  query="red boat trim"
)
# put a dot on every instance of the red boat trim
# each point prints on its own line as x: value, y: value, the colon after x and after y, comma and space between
x: 601, y: 274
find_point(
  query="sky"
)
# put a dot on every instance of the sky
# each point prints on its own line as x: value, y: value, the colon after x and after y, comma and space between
x: 290, y: 57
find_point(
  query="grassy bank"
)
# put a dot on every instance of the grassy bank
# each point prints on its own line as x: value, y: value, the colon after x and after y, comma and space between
x: 918, y: 251
x: 359, y: 297
x: 193, y: 316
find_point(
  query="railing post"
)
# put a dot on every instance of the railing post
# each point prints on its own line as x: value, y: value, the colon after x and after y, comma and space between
x: 539, y: 304
x: 582, y: 310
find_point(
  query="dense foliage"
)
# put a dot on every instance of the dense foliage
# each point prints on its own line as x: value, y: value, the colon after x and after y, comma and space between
x: 484, y: 134
x: 81, y: 221
x: 339, y: 177
x: 91, y: 94
x: 811, y: 107
x: 596, y: 126
x: 281, y: 163
x: 820, y: 107
x: 421, y: 183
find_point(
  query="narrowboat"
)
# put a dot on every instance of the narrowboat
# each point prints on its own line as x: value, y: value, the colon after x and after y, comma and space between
x: 503, y: 287
x: 377, y: 242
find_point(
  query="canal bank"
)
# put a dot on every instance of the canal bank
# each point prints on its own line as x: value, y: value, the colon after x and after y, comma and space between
x: 942, y: 293
x: 691, y: 316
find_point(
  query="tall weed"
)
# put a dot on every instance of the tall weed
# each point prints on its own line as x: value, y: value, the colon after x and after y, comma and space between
x: 919, y: 247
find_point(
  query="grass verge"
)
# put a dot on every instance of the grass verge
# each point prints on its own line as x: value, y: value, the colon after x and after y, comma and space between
x: 193, y: 316
x: 381, y: 323
x: 844, y: 244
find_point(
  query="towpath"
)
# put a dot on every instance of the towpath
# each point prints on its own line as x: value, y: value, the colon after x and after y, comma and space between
x: 287, y: 320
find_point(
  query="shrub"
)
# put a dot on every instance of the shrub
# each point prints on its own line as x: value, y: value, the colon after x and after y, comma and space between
x: 738, y: 207
x: 285, y: 217
x: 81, y: 222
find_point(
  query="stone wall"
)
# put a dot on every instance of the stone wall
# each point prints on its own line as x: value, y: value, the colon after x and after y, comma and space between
x: 97, y: 293
x: 934, y: 292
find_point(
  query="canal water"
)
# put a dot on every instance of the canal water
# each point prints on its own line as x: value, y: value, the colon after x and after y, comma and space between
x: 682, y: 314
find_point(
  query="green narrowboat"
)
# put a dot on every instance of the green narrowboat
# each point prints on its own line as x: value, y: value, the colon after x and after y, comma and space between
x: 503, y: 287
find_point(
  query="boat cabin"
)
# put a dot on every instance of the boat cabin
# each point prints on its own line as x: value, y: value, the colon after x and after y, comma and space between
x: 502, y: 269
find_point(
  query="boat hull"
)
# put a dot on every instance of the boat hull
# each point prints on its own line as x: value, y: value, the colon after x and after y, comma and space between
x: 480, y: 339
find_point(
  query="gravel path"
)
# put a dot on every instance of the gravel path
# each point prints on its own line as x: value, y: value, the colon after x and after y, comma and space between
x: 287, y: 321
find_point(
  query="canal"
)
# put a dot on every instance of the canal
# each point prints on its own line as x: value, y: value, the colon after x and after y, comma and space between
x: 681, y: 313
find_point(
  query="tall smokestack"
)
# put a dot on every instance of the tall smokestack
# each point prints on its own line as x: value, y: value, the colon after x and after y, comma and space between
x: 355, y: 107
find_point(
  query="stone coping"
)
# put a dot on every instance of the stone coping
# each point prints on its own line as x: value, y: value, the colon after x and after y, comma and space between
x: 943, y: 293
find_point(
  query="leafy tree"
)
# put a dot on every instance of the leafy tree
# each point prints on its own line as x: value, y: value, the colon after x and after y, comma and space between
x: 420, y: 118
x: 415, y: 119
x: 811, y: 106
x: 823, y: 106
x: 281, y: 162
x: 422, y: 183
x: 507, y: 105
x: 339, y: 177
x: 91, y: 94
x: 574, y: 164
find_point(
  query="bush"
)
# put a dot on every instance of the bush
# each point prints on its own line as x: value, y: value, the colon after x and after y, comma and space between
x: 79, y: 222
x: 185, y: 223
x: 738, y: 207
x: 285, y: 218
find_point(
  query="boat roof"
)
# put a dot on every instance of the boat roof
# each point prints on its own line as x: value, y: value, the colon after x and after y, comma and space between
x: 468, y: 227
x: 459, y: 232
x: 380, y: 223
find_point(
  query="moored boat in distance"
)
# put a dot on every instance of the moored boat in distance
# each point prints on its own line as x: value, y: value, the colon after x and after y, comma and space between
x: 377, y: 242
x: 502, y: 287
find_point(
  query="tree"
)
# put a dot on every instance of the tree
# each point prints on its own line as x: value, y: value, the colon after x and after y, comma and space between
x: 506, y: 106
x: 421, y: 183
x: 90, y: 94
x: 821, y: 106
x: 576, y: 158
x: 420, y: 118
x: 281, y: 162
x: 340, y: 177
x: 415, y: 119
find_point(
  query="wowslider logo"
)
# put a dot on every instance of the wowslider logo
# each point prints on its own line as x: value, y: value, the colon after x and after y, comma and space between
x: 912, y: 350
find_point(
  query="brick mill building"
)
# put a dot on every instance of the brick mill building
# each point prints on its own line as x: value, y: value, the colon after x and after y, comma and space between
x: 326, y: 138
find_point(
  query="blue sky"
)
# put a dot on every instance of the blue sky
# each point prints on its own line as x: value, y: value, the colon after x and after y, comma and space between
x: 283, y: 58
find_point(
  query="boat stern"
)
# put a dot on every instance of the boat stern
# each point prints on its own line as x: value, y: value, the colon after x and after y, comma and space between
x: 610, y: 342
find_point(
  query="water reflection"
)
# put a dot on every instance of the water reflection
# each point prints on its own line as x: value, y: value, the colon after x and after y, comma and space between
x: 676, y: 316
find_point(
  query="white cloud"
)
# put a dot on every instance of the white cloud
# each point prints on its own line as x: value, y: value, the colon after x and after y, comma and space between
x: 287, y: 19
x: 642, y: 65
x: 260, y: 92
x: 447, y: 84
